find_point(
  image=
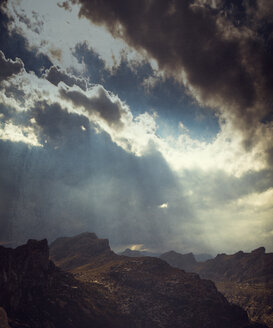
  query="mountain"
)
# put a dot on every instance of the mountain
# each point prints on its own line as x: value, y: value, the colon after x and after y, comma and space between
x: 245, y: 279
x: 36, y: 294
x: 185, y: 262
x: 133, y: 253
x: 74, y: 252
x: 254, y: 267
x: 202, y: 257
x: 146, y: 289
x: 3, y: 319
x: 106, y: 290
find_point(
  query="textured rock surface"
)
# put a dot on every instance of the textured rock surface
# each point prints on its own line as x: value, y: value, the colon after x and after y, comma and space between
x: 72, y: 252
x: 110, y: 290
x: 153, y: 294
x: 36, y: 294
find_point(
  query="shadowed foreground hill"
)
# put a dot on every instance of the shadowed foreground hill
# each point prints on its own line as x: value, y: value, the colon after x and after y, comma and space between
x: 36, y: 294
x: 147, y: 290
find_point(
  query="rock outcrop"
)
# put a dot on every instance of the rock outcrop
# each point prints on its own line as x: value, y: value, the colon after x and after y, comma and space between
x: 73, y: 252
x: 36, y: 294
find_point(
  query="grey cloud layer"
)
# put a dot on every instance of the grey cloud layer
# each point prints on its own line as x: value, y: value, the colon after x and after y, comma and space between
x: 230, y: 67
x: 55, y: 75
x: 9, y: 67
x: 101, y: 103
x: 82, y: 181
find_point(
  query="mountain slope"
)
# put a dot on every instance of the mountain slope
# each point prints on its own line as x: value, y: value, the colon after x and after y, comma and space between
x: 36, y: 294
x: 152, y: 293
x: 245, y: 279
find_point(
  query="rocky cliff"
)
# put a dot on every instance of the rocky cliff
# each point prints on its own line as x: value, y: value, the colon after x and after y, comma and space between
x: 73, y: 252
x: 36, y: 294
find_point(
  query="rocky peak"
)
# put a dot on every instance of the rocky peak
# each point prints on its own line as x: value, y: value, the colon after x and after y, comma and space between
x: 70, y: 252
x: 260, y: 250
x: 21, y: 270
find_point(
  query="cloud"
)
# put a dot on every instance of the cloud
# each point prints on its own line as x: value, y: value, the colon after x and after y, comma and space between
x: 55, y: 75
x: 9, y: 67
x: 224, y: 66
x: 56, y: 127
x: 99, y: 165
x: 80, y: 180
x: 100, y: 102
x: 164, y: 205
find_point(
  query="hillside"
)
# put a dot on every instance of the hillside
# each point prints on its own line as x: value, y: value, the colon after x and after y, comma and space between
x: 149, y: 291
x: 245, y: 279
x: 36, y: 294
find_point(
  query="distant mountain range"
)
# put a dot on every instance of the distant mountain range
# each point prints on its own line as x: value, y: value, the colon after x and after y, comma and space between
x: 134, y: 253
x: 91, y: 286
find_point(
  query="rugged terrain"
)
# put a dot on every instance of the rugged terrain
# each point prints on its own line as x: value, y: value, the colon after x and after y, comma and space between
x: 245, y: 279
x: 36, y: 294
x: 103, y: 289
x: 146, y: 289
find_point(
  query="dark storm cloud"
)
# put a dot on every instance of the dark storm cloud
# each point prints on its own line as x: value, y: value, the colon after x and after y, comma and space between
x: 80, y: 180
x: 9, y: 67
x: 14, y: 45
x: 167, y: 96
x: 229, y: 67
x: 55, y: 75
x: 101, y: 103
x: 57, y: 127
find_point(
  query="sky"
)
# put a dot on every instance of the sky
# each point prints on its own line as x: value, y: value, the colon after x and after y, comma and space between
x: 148, y: 122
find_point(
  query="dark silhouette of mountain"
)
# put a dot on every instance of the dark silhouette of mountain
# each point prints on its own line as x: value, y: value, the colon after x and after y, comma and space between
x: 36, y: 294
x: 256, y: 266
x: 81, y: 250
x: 3, y: 319
x: 147, y: 290
x: 185, y: 262
x: 245, y: 279
x: 133, y: 253
x: 202, y: 257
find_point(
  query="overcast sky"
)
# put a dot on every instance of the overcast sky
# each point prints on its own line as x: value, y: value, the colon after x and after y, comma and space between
x: 148, y: 122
